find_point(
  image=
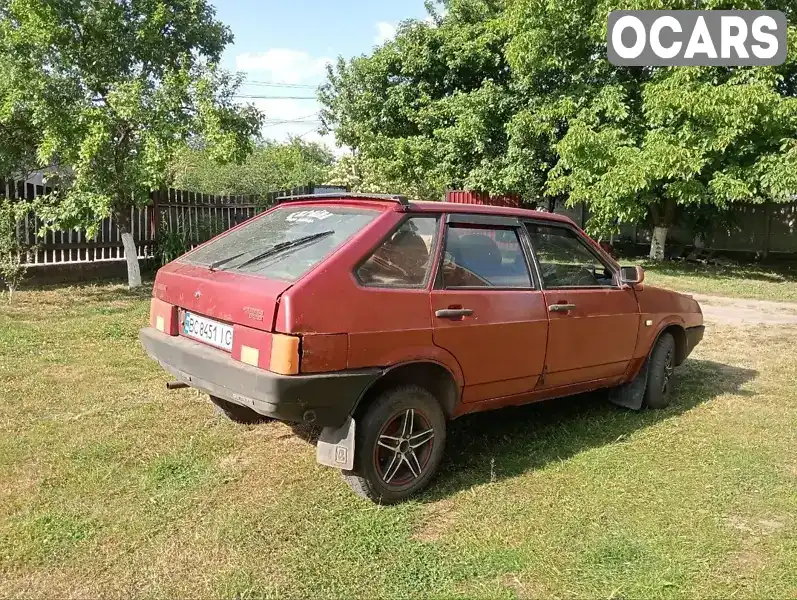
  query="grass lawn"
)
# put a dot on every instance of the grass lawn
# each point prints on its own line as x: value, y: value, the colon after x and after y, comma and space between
x: 742, y: 281
x: 110, y: 486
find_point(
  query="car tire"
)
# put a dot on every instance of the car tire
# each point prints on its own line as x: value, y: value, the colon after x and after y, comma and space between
x: 398, y: 445
x: 236, y: 412
x: 661, y: 376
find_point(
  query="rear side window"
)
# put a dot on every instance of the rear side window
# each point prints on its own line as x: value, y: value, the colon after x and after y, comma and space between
x: 285, y: 243
x: 477, y: 257
x: 404, y: 259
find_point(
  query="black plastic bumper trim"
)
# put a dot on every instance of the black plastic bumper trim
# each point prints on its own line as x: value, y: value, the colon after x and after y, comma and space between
x: 325, y: 399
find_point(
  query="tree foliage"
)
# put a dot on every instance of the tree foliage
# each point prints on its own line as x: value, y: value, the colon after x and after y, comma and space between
x: 636, y: 142
x: 18, y: 140
x: 272, y: 166
x: 428, y: 109
x: 360, y: 173
x: 519, y: 96
x: 112, y: 88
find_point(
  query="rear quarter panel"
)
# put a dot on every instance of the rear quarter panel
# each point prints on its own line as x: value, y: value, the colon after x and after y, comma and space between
x: 383, y: 326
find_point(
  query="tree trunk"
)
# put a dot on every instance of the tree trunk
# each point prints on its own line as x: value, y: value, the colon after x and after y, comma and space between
x: 663, y: 217
x: 131, y: 256
x: 657, y: 242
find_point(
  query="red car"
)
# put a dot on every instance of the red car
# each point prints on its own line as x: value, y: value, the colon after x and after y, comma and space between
x: 380, y: 319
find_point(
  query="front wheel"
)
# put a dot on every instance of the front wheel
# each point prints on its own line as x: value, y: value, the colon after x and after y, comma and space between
x: 399, y: 445
x: 661, y: 373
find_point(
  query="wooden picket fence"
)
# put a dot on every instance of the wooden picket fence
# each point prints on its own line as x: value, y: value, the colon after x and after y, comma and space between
x: 763, y: 228
x: 168, y: 210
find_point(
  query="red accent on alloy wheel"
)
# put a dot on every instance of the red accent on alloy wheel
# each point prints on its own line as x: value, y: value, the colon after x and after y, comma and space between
x: 403, y: 448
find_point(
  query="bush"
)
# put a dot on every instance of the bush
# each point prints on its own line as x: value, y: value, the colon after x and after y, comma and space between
x: 173, y: 242
x: 12, y: 267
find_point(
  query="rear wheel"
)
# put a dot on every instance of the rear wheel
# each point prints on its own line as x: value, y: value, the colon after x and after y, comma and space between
x: 236, y: 412
x: 399, y: 445
x: 661, y: 373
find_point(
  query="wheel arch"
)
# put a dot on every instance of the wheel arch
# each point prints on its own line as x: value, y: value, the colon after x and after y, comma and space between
x: 679, y: 334
x: 434, y: 377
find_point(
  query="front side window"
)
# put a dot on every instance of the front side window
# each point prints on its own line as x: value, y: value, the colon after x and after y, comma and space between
x: 284, y: 243
x: 404, y: 258
x: 564, y: 259
x: 480, y: 257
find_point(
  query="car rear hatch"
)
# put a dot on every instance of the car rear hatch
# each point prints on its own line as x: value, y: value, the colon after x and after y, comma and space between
x: 226, y: 293
x: 222, y: 295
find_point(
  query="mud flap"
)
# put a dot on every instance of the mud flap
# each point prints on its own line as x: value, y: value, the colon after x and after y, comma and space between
x: 335, y: 446
x: 632, y: 394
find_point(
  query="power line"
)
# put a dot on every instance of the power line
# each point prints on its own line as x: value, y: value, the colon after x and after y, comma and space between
x: 312, y: 114
x: 265, y: 97
x: 294, y: 122
x: 315, y: 130
x: 309, y: 119
x: 280, y: 85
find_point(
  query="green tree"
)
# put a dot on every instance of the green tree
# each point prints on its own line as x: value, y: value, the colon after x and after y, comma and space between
x: 362, y: 174
x: 428, y: 109
x: 272, y: 166
x: 518, y: 96
x: 636, y: 143
x: 112, y: 88
x: 18, y: 140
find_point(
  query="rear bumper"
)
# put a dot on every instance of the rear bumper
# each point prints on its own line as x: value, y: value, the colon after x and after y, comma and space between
x: 693, y: 337
x: 325, y: 399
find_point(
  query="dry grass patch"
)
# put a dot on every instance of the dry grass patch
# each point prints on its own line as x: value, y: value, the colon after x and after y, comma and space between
x: 111, y: 486
x: 435, y: 520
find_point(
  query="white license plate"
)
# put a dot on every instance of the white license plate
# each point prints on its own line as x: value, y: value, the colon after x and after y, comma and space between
x: 207, y: 330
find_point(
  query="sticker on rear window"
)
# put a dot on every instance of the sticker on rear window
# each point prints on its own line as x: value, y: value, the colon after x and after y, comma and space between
x: 308, y: 216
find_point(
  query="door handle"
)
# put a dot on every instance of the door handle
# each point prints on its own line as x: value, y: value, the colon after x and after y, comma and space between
x: 453, y: 313
x: 561, y: 307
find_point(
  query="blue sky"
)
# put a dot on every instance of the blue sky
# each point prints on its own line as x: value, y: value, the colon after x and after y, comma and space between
x: 289, y: 41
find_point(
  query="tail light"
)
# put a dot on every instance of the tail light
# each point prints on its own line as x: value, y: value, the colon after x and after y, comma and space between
x: 284, y: 354
x: 163, y: 316
x: 273, y: 351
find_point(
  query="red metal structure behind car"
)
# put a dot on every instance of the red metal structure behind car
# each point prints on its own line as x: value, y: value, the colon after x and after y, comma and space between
x: 482, y: 198
x: 380, y: 319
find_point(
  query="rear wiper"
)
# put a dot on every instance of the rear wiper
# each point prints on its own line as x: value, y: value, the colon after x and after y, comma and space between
x: 273, y: 250
x: 277, y: 248
x: 217, y: 263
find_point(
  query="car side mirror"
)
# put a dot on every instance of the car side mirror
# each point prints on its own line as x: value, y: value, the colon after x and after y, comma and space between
x: 632, y: 275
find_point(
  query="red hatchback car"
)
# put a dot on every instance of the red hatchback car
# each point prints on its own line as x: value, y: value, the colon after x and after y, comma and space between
x: 379, y: 319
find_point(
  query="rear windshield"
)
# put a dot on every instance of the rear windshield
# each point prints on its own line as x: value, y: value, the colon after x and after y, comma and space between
x: 291, y: 240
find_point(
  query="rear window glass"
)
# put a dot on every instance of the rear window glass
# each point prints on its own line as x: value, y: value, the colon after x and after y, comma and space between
x: 283, y: 244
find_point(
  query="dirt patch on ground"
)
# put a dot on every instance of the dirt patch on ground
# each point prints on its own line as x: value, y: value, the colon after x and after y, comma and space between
x: 736, y: 311
x: 522, y: 587
x: 756, y: 527
x: 436, y: 519
x: 747, y: 561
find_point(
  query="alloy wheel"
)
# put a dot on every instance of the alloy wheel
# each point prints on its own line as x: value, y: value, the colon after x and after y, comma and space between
x: 403, y: 448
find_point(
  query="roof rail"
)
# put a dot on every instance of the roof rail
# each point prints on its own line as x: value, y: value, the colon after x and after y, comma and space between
x: 328, y: 195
